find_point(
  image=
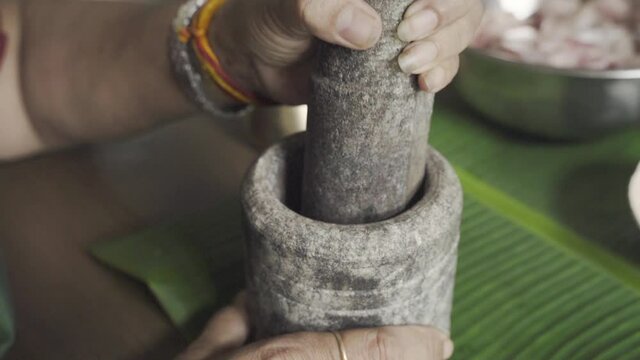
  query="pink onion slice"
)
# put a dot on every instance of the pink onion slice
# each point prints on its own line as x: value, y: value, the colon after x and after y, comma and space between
x: 575, y: 34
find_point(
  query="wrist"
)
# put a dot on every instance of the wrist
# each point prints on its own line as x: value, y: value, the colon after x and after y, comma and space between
x: 227, y: 41
x: 197, y: 64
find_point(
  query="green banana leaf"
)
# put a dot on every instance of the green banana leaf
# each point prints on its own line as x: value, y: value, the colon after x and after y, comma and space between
x: 6, y: 316
x: 192, y: 267
x: 549, y: 264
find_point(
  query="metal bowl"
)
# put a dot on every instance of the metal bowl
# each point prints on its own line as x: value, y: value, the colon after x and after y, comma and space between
x: 550, y: 102
x: 546, y: 101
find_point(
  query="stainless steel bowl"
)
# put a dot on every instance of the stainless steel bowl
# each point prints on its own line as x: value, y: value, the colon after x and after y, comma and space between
x: 547, y: 101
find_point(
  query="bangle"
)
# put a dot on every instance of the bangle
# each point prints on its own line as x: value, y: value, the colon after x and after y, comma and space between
x: 198, y: 34
x: 191, y: 54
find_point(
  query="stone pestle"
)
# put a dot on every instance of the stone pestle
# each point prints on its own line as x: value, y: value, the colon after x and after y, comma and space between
x: 367, y: 130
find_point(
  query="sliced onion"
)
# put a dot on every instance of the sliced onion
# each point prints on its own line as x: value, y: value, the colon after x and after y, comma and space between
x: 593, y: 34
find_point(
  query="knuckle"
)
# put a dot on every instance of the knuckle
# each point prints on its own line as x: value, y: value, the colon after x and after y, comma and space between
x: 226, y: 314
x: 305, y: 11
x: 477, y: 13
x: 276, y: 353
x: 283, y: 349
x: 480, y: 6
x: 452, y: 69
x: 463, y: 35
x: 321, y: 15
x: 382, y: 345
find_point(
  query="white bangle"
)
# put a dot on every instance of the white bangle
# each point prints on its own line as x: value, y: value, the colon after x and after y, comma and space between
x: 186, y: 69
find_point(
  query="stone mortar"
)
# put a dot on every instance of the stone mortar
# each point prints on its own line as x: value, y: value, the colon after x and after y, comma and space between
x: 368, y: 128
x: 304, y: 274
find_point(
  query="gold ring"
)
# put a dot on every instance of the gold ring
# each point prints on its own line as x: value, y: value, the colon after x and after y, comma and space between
x: 341, y: 347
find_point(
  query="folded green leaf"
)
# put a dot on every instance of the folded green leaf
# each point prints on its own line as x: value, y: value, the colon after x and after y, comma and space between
x: 192, y: 267
x: 6, y: 316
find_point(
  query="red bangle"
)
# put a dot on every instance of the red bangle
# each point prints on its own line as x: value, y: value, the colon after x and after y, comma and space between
x: 197, y: 34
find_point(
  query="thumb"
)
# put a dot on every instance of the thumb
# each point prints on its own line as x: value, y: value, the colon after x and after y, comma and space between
x: 389, y: 342
x: 226, y: 331
x: 350, y: 23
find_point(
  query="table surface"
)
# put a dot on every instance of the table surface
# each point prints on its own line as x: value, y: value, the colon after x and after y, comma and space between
x: 67, y: 305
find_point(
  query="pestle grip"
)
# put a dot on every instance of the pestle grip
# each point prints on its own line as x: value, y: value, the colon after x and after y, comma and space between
x: 367, y: 131
x: 363, y: 159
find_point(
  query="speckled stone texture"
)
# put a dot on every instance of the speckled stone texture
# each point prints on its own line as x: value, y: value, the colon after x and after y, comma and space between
x: 304, y: 274
x: 368, y: 129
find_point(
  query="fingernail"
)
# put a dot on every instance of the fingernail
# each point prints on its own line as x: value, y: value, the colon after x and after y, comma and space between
x: 357, y: 27
x: 435, y: 80
x: 415, y: 7
x: 417, y: 56
x: 418, y: 26
x: 447, y: 349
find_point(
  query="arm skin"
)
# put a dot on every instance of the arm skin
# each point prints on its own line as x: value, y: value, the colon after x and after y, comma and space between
x: 85, y: 71
x: 89, y: 71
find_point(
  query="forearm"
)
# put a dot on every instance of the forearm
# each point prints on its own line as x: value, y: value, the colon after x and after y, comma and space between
x: 94, y: 70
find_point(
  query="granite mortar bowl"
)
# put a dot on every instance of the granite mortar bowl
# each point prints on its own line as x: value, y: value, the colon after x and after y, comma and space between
x: 550, y: 102
x: 304, y: 274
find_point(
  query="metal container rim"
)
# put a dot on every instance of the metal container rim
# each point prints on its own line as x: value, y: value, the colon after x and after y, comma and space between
x: 618, y: 74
